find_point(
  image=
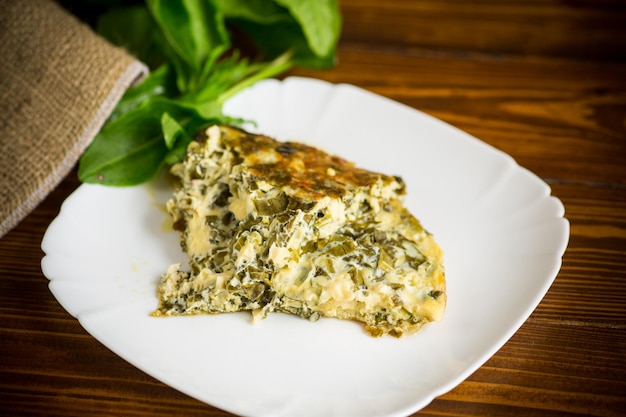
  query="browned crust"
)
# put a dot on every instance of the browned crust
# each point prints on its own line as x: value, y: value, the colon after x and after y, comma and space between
x: 309, y: 172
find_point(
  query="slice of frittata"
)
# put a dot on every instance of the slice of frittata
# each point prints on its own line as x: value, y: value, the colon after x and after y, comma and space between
x: 281, y: 226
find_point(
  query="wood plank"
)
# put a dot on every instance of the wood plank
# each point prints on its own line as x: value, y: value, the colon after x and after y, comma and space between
x: 578, y: 29
x: 546, y: 369
x: 591, y: 286
x: 562, y: 120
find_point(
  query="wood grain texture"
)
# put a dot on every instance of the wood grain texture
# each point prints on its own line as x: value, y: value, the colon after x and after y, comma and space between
x: 579, y: 29
x: 542, y: 80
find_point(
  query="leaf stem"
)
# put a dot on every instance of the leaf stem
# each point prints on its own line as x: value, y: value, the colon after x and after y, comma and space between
x: 281, y: 64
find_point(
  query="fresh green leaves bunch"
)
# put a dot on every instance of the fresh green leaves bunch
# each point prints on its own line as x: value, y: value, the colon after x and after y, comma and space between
x: 196, y: 65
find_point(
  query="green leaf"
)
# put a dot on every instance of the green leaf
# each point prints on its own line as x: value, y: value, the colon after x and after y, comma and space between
x: 273, y: 40
x: 176, y: 139
x: 126, y: 152
x: 184, y: 73
x: 320, y: 21
x: 271, y: 69
x: 208, y: 110
x: 225, y: 74
x: 132, y: 28
x: 172, y: 130
x: 260, y: 11
x: 310, y: 29
x: 196, y: 34
x: 159, y: 83
x: 130, y: 150
x: 177, y: 153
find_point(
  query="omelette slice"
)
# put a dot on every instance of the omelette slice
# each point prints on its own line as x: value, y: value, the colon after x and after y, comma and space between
x: 282, y: 226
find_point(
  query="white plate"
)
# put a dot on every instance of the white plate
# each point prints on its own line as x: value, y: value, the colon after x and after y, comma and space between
x: 502, y: 233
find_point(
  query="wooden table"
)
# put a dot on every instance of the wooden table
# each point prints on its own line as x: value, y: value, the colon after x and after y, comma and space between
x: 542, y: 80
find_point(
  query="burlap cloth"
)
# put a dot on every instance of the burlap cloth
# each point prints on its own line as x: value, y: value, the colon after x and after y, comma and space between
x: 59, y: 82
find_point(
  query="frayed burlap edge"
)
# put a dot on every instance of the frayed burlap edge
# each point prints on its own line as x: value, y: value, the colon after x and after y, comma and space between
x: 134, y: 72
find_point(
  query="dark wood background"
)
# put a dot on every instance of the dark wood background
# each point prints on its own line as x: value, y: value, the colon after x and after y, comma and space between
x: 542, y: 80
